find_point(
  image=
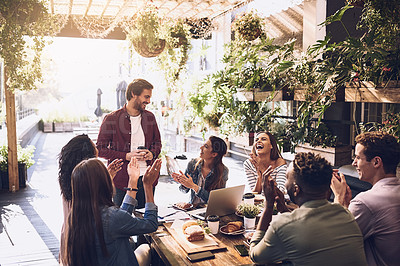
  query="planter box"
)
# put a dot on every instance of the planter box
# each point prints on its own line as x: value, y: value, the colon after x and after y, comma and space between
x: 58, y: 126
x: 68, y: 127
x: 22, y: 175
x: 299, y: 95
x: 245, y: 139
x: 337, y: 156
x: 256, y: 95
x: 47, y: 127
x: 368, y: 92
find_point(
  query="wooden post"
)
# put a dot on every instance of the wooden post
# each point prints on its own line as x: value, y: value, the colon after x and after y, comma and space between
x: 11, y: 137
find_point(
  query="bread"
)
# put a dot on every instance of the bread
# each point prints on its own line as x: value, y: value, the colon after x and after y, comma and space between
x: 234, y: 226
x: 193, y: 231
x: 187, y: 224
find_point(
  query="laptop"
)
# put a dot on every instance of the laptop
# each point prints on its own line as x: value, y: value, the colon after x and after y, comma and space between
x: 221, y: 202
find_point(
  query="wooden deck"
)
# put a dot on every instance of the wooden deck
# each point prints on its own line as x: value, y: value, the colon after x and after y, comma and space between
x: 25, y: 238
x: 31, y: 218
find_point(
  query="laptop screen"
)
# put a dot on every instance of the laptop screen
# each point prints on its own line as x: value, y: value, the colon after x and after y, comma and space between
x: 221, y: 202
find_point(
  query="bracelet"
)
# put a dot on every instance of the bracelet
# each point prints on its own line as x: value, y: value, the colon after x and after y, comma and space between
x: 131, y: 189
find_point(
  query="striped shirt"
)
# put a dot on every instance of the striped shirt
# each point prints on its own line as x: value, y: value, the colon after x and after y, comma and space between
x: 278, y: 174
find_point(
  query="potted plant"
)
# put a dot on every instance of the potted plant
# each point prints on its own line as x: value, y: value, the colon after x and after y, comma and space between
x: 200, y: 28
x: 321, y: 141
x: 25, y: 161
x: 249, y: 212
x: 248, y: 26
x: 173, y: 61
x: 144, y: 33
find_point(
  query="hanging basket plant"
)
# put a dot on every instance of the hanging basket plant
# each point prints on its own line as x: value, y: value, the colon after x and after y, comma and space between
x: 200, y: 28
x: 248, y: 26
x: 173, y: 61
x: 144, y: 33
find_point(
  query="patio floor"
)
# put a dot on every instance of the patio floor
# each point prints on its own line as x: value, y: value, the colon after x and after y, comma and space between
x: 31, y: 218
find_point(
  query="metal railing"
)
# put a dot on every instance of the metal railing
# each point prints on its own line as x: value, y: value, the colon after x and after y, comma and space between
x: 24, y: 113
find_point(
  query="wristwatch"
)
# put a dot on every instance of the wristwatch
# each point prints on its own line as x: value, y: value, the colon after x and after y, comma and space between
x: 131, y: 189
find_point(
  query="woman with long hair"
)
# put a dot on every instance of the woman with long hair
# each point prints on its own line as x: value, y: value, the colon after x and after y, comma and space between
x: 98, y: 232
x: 205, y: 173
x: 79, y: 148
x: 265, y: 154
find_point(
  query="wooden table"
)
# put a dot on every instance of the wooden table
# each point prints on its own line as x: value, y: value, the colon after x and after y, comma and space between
x: 172, y: 253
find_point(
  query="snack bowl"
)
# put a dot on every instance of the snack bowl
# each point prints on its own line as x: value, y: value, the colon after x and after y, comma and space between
x: 224, y: 231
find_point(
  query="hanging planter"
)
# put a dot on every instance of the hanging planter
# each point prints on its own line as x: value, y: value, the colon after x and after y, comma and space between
x: 248, y: 26
x: 141, y: 47
x: 200, y: 28
x: 144, y: 33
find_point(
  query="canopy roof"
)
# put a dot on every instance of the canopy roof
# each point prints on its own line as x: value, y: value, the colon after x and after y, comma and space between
x: 128, y: 8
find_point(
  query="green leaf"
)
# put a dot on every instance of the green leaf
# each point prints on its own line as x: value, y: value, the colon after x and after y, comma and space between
x: 337, y: 16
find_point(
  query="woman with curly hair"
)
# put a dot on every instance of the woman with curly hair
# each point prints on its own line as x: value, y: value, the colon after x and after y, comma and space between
x: 76, y: 150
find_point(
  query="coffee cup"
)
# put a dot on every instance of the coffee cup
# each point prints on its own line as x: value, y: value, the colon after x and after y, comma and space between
x: 213, y: 223
x: 248, y: 198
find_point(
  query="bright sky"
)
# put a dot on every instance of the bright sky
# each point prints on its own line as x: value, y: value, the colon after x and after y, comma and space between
x: 84, y: 65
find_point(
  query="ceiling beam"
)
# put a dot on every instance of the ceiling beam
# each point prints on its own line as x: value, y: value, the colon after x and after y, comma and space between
x: 88, y: 7
x: 105, y: 8
x: 71, y: 3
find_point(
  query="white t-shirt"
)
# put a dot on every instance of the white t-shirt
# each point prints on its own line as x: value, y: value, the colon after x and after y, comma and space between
x: 137, y: 139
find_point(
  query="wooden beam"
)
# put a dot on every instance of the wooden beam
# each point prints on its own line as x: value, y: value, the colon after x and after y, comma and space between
x: 105, y: 8
x: 11, y: 137
x: 88, y: 8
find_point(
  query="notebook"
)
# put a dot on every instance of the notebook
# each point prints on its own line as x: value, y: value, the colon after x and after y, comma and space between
x: 221, y: 202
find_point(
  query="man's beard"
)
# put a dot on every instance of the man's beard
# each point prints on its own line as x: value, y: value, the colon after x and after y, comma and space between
x: 138, y: 105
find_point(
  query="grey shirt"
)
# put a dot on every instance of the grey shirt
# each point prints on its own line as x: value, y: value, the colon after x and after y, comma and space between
x: 377, y: 212
x: 317, y: 233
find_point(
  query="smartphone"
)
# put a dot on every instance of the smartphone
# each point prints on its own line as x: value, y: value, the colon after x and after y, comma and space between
x: 242, y: 249
x: 200, y: 256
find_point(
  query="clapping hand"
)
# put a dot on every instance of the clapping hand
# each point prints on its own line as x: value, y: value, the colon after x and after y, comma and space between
x: 152, y: 173
x: 114, y: 167
x: 268, y: 185
x: 340, y: 188
x: 186, y: 181
x: 133, y: 172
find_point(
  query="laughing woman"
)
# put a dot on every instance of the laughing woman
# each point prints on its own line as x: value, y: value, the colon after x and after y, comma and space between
x: 265, y: 153
x: 205, y: 173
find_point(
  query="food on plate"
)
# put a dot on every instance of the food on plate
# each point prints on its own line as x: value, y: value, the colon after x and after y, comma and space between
x: 183, y: 205
x: 193, y: 231
x: 234, y: 226
x: 188, y: 223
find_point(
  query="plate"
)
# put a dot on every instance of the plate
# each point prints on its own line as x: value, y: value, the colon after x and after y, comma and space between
x: 238, y: 232
x: 183, y: 209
